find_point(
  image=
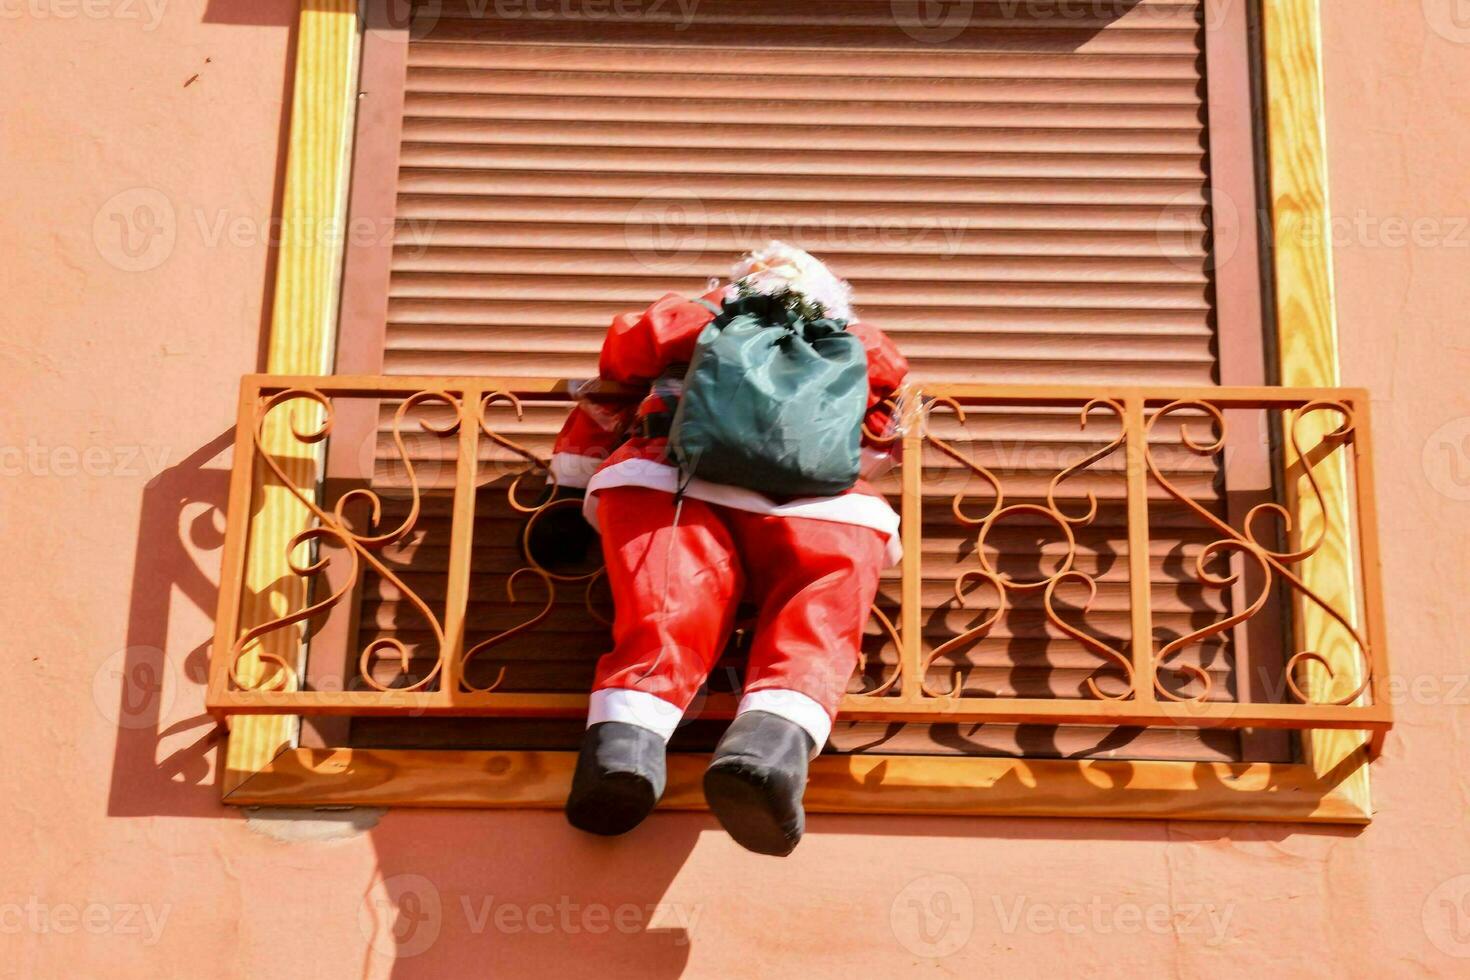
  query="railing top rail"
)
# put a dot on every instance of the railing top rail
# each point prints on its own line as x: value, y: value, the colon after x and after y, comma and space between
x: 999, y: 394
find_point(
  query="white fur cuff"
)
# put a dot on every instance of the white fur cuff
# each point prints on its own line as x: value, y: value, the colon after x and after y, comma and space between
x: 634, y: 708
x: 794, y: 707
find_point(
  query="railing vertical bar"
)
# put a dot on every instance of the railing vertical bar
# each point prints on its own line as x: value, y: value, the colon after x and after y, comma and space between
x: 1141, y: 644
x: 461, y: 540
x: 1367, y: 552
x: 238, y: 522
x: 911, y: 622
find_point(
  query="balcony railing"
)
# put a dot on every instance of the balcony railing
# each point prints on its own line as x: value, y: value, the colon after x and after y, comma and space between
x: 981, y: 468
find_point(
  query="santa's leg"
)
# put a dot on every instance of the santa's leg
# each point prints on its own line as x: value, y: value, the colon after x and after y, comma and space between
x: 815, y: 582
x: 675, y: 587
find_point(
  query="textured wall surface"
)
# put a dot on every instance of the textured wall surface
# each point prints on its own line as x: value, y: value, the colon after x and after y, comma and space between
x: 141, y: 150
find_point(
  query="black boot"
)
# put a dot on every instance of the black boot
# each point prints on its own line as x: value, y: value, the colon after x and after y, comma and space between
x: 620, y: 776
x: 755, y: 783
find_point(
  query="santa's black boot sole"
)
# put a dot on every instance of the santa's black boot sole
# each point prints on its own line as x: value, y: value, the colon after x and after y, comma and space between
x: 755, y: 783
x: 620, y: 776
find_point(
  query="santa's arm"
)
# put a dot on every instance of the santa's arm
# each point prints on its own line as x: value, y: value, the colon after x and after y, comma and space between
x: 887, y: 370
x: 637, y: 349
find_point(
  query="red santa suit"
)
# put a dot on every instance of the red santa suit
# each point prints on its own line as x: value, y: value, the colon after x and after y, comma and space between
x: 677, y: 574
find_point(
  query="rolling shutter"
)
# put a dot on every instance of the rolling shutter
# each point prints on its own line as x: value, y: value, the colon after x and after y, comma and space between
x: 1026, y: 202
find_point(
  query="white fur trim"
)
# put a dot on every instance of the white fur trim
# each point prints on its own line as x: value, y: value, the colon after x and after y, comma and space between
x: 573, y: 469
x: 862, y: 509
x: 795, y: 707
x: 634, y: 708
x: 776, y: 268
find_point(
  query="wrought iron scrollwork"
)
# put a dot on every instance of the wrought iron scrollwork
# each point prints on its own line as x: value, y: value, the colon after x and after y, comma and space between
x: 1247, y: 542
x: 1001, y: 583
x: 533, y: 568
x: 335, y: 527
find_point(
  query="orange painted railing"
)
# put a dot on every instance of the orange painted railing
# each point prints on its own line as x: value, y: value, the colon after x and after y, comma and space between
x: 1318, y: 548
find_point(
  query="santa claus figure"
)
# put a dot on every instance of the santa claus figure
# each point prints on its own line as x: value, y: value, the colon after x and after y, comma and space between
x: 683, y: 552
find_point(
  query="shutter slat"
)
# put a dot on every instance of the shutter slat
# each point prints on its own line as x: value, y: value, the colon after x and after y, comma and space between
x: 1028, y: 137
x: 673, y: 84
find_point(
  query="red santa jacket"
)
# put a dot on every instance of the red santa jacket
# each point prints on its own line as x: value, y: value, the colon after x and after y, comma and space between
x: 602, y: 446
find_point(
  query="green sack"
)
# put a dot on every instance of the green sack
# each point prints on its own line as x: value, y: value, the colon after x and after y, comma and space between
x: 773, y: 402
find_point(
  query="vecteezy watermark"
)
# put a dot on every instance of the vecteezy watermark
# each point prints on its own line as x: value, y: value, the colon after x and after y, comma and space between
x: 135, y: 687
x: 404, y: 20
x: 1099, y: 917
x: 137, y: 230
x: 403, y: 915
x: 933, y: 916
x: 1427, y: 690
x: 1361, y: 229
x: 678, y: 13
x: 1446, y: 459
x: 932, y: 21
x: 147, y: 12
x: 35, y: 459
x: 1446, y: 917
x: 1189, y: 224
x: 1450, y: 19
x: 669, y: 231
x: 143, y: 920
x: 400, y: 21
x: 221, y: 227
x: 940, y: 21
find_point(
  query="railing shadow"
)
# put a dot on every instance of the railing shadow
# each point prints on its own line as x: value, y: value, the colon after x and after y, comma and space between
x: 181, y: 519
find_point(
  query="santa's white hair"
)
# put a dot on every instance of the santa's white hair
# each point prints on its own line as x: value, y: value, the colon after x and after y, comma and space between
x: 777, y: 268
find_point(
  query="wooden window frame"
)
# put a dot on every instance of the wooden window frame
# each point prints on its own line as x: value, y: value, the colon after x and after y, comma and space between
x: 263, y: 764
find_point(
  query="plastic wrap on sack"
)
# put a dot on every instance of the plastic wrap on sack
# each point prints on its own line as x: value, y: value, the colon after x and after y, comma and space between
x: 882, y: 442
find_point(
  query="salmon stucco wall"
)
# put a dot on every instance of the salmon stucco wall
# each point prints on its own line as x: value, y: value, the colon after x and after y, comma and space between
x: 141, y: 147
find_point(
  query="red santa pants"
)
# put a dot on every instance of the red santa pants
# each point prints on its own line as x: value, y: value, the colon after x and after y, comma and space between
x: 675, y: 589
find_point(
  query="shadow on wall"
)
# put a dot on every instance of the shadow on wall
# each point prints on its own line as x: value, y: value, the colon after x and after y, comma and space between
x: 160, y: 763
x: 524, y: 888
x: 450, y: 885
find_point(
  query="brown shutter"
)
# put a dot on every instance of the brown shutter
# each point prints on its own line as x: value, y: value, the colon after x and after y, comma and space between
x: 1026, y: 202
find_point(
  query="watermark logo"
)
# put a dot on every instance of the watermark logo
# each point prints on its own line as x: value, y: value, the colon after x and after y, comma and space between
x: 1446, y: 459
x: 135, y: 687
x: 135, y: 230
x: 1187, y: 224
x: 401, y: 21
x: 66, y: 461
x: 941, y: 21
x: 145, y: 921
x: 1363, y: 230
x: 932, y: 21
x: 149, y: 13
x: 1450, y: 19
x: 1097, y: 917
x: 679, y: 13
x: 1446, y: 917
x: 933, y: 916
x: 402, y: 915
x: 667, y: 231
